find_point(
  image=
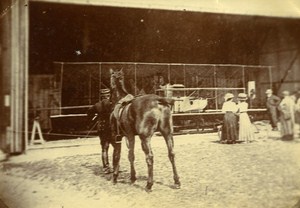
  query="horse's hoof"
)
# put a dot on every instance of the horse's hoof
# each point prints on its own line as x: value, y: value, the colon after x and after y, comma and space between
x: 148, y: 190
x: 148, y: 187
x: 114, y: 179
x: 132, y: 180
x: 176, y: 186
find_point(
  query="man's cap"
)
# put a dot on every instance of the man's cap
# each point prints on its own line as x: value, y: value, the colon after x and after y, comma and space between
x: 104, y: 91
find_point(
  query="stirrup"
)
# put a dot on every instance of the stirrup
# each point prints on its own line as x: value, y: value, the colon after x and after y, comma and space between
x: 118, y: 138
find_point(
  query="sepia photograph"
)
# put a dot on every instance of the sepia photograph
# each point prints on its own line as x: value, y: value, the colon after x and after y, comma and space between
x: 149, y: 103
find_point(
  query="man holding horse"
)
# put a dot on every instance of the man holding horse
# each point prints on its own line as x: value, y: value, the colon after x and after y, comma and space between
x: 101, y: 111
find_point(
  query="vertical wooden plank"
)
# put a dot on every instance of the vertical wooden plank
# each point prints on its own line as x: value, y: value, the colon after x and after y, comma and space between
x: 19, y: 60
x: 244, y: 84
x: 90, y: 88
x: 20, y: 84
x: 25, y: 41
x: 184, y: 78
x: 216, y: 91
x: 23, y: 70
x: 61, y: 84
x: 100, y: 81
x: 5, y: 24
x: 135, y: 77
x: 14, y: 75
x: 270, y: 77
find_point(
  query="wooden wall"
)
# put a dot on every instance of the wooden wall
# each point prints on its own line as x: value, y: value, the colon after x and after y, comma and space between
x: 14, y: 68
x: 282, y: 50
x: 44, y: 99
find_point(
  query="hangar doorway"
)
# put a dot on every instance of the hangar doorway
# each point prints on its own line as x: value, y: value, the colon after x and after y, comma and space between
x: 119, y: 33
x: 82, y: 33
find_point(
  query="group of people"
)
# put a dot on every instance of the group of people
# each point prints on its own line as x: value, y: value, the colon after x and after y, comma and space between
x: 284, y: 115
x: 284, y: 111
x: 237, y: 125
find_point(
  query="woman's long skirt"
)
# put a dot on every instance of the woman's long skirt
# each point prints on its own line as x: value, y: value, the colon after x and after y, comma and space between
x: 246, y: 131
x: 286, y: 128
x: 229, y: 129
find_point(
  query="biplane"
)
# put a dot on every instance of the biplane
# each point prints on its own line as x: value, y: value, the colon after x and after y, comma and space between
x: 198, y: 89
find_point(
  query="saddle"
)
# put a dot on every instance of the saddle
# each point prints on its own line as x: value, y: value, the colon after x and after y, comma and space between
x: 119, y: 107
x: 118, y: 111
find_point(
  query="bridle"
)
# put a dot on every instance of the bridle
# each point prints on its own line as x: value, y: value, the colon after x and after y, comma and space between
x: 116, y: 75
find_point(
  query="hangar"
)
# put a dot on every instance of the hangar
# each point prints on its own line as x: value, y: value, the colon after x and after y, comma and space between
x: 36, y: 33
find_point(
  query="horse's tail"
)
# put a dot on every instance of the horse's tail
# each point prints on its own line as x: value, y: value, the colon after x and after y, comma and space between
x: 166, y: 101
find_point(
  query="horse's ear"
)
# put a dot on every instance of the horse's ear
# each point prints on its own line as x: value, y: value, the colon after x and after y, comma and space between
x: 111, y: 71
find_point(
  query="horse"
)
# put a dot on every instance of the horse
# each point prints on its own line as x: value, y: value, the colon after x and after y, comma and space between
x: 142, y: 116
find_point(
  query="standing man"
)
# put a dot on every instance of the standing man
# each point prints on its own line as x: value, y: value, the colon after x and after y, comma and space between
x: 287, y: 116
x: 102, y: 110
x: 296, y: 97
x: 272, y: 105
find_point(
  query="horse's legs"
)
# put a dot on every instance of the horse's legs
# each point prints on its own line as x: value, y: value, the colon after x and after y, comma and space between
x: 131, y: 157
x: 146, y: 146
x: 104, y: 146
x: 170, y: 145
x: 117, y: 150
x: 116, y: 160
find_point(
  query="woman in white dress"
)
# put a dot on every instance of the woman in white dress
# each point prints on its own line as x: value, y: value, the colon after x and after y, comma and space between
x: 246, y: 131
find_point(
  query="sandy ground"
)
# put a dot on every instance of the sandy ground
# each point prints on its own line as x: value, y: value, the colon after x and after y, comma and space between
x: 264, y: 173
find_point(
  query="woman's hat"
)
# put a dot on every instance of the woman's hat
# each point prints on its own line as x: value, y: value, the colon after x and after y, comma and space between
x: 285, y: 93
x: 228, y: 96
x: 242, y: 96
x: 104, y: 91
x: 269, y: 91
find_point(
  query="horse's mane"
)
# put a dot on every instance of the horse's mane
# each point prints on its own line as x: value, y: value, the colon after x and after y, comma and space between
x: 166, y: 101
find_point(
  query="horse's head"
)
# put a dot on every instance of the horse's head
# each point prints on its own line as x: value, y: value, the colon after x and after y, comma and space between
x: 116, y: 78
x: 117, y: 84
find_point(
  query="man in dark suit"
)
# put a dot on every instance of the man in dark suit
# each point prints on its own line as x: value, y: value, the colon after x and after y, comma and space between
x: 272, y: 105
x: 101, y: 111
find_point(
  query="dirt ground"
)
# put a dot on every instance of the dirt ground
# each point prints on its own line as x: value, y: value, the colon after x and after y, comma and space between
x: 264, y: 173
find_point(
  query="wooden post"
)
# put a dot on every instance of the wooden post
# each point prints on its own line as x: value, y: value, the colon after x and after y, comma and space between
x: 61, y: 84
x: 100, y: 81
x: 184, y: 81
x: 169, y: 74
x: 17, y: 65
x: 25, y: 42
x: 135, y: 78
x: 215, y: 82
x: 243, y: 71
x: 90, y: 88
